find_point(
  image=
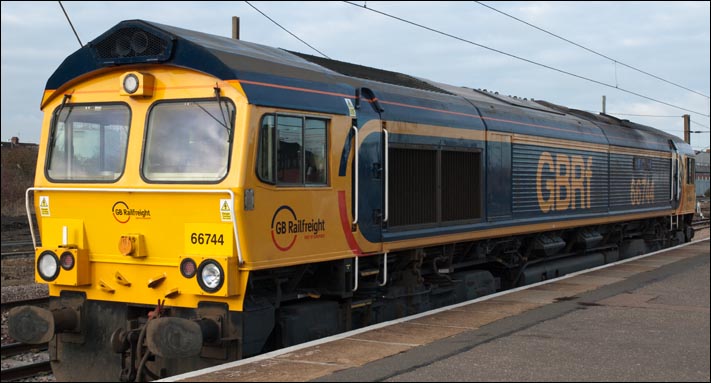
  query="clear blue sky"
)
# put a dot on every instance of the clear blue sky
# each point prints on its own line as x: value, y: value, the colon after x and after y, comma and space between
x: 667, y: 39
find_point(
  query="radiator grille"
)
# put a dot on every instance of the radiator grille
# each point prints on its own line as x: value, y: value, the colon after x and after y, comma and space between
x: 413, y: 187
x: 432, y: 187
x: 460, y: 186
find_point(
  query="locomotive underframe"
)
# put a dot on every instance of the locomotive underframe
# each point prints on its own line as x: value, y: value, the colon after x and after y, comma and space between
x: 296, y: 304
x: 422, y: 279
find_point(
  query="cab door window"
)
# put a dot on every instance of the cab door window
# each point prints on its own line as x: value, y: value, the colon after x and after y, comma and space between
x: 690, y: 171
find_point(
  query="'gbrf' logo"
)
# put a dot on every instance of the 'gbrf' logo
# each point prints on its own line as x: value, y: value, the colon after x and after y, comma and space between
x: 563, y: 182
x: 642, y: 191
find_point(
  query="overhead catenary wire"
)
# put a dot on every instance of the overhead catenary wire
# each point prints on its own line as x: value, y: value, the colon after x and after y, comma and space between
x: 524, y: 59
x: 591, y: 50
x: 70, y: 24
x: 694, y: 122
x: 691, y: 131
x: 286, y: 30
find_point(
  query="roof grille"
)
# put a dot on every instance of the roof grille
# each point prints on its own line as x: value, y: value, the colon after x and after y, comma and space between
x: 131, y: 45
x: 368, y: 73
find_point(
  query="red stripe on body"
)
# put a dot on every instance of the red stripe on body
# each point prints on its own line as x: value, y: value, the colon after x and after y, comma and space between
x: 346, y: 224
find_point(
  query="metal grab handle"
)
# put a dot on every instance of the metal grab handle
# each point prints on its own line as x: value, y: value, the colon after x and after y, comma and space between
x: 671, y: 181
x: 385, y: 270
x: 355, y: 281
x: 678, y: 178
x: 387, y: 176
x: 355, y: 171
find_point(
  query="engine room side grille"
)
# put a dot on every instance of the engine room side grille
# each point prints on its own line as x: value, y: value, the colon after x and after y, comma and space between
x: 430, y: 187
x: 461, y: 199
x: 413, y: 187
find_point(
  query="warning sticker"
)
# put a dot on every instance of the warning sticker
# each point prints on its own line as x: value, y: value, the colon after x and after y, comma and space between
x: 226, y: 210
x: 351, y: 108
x: 44, y: 205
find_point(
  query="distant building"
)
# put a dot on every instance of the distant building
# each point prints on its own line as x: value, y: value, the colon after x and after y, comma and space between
x: 14, y: 143
x: 703, y: 178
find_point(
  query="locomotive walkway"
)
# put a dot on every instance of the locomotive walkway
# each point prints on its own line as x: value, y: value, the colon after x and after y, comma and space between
x: 645, y: 319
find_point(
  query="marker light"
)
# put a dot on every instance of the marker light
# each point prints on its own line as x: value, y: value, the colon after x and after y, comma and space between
x: 211, y: 276
x: 48, y: 266
x: 130, y: 83
x: 188, y: 268
x: 66, y: 260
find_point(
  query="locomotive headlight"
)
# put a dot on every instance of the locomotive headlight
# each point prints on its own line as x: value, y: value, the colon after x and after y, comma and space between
x: 211, y: 276
x: 48, y: 265
x: 130, y: 83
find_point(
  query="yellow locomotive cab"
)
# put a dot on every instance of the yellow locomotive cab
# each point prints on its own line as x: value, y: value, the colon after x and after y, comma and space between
x: 155, y: 204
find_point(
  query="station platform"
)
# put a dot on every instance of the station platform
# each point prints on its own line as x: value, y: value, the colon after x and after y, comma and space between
x: 641, y: 319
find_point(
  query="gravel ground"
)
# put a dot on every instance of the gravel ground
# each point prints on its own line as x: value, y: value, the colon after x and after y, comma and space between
x: 17, y: 284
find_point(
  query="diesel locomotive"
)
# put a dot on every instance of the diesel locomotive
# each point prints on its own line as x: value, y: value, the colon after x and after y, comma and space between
x: 201, y: 199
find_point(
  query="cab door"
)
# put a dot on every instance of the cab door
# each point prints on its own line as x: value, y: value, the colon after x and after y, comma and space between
x: 675, y: 176
x: 369, y: 171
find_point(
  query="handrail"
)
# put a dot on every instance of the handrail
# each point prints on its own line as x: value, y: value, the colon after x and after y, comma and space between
x: 355, y: 275
x: 671, y: 180
x: 355, y: 171
x: 674, y: 171
x: 678, y: 177
x: 385, y: 270
x: 387, y: 176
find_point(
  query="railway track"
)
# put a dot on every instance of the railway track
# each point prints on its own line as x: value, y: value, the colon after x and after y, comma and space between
x: 20, y: 243
x: 17, y: 254
x: 42, y: 301
x: 26, y: 371
x: 700, y: 224
x: 13, y: 349
x: 17, y: 248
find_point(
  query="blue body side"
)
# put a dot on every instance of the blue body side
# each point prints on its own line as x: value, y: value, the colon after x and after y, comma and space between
x: 521, y: 183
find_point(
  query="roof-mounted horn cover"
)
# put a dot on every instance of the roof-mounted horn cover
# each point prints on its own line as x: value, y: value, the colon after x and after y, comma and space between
x: 132, y: 42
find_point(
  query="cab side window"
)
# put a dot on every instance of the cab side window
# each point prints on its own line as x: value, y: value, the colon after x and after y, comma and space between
x: 293, y: 150
x: 690, y: 171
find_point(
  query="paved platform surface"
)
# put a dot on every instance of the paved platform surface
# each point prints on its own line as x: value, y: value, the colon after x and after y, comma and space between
x: 644, y: 320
